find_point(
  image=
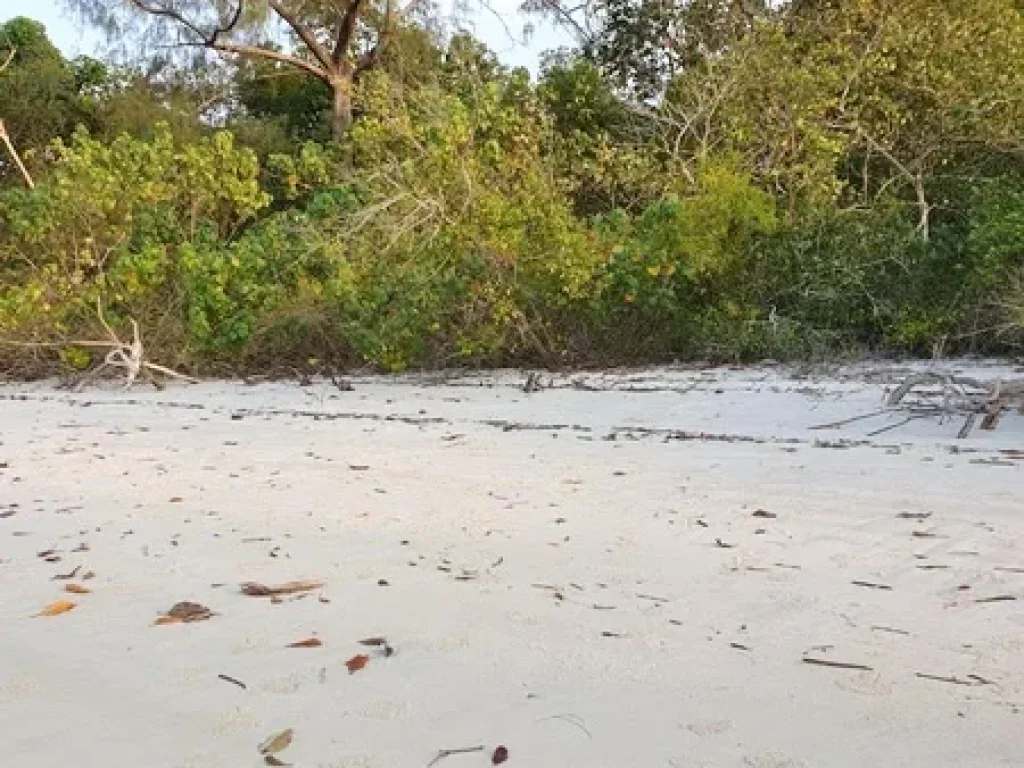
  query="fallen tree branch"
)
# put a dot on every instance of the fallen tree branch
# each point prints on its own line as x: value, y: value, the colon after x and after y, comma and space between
x: 129, y: 356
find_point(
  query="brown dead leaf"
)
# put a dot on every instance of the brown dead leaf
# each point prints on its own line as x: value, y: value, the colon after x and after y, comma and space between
x: 357, y: 663
x: 274, y: 744
x: 254, y: 589
x: 46, y: 553
x: 271, y: 760
x: 188, y: 612
x: 374, y: 642
x: 167, y: 620
x: 500, y: 755
x: 57, y: 608
x: 77, y: 589
x: 309, y: 642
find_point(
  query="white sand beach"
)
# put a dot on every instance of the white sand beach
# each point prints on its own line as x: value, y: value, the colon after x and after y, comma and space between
x: 635, y: 569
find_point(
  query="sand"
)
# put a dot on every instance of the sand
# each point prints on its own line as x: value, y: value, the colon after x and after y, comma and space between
x: 622, y: 570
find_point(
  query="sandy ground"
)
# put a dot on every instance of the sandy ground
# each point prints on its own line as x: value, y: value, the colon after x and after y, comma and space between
x: 628, y: 571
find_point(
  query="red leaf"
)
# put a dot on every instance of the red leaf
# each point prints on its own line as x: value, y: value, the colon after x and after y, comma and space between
x: 357, y: 663
x: 500, y: 755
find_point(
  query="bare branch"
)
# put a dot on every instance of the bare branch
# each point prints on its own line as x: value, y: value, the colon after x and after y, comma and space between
x: 369, y: 59
x: 8, y: 60
x: 255, y: 52
x: 305, y: 34
x: 346, y: 30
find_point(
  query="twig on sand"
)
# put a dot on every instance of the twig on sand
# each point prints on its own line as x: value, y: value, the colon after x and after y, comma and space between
x: 851, y: 420
x: 952, y: 680
x: 230, y: 679
x: 836, y: 664
x: 572, y: 720
x: 443, y: 753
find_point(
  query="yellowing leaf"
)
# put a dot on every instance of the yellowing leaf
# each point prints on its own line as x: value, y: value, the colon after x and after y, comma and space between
x: 277, y: 742
x: 57, y: 608
x: 168, y: 620
x: 77, y: 589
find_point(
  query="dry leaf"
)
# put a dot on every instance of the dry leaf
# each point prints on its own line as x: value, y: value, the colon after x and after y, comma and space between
x: 277, y: 742
x: 167, y: 620
x: 253, y: 589
x: 88, y: 575
x: 374, y: 642
x: 186, y: 612
x: 271, y: 760
x: 357, y: 663
x: 309, y: 642
x: 500, y: 755
x: 57, y: 608
x: 46, y: 553
x: 77, y: 589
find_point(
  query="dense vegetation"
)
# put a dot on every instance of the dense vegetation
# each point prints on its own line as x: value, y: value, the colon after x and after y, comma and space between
x: 698, y: 179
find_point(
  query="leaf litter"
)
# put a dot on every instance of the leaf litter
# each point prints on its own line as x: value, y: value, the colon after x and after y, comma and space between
x: 254, y: 589
x: 58, y: 607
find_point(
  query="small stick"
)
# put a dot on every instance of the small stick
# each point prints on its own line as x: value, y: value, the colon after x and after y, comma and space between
x: 879, y: 628
x: 230, y: 679
x: 996, y: 599
x: 836, y: 664
x: 871, y: 585
x: 974, y: 679
x: 851, y: 420
x: 890, y: 427
x: 443, y: 753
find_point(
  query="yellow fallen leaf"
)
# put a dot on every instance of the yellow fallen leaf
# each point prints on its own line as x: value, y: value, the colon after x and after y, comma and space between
x: 57, y: 608
x: 77, y: 589
x: 276, y: 743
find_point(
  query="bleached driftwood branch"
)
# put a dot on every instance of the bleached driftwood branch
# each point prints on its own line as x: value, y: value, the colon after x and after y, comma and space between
x: 127, y: 355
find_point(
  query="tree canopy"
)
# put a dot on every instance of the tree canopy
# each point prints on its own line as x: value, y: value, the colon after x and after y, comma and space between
x: 320, y: 183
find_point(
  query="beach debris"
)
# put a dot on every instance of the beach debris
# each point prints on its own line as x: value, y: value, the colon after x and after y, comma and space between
x: 233, y: 680
x: 65, y: 576
x: 309, y: 642
x: 77, y: 589
x: 57, y: 608
x: 893, y: 630
x: 913, y: 515
x: 836, y: 664
x: 443, y: 753
x: 185, y: 612
x: 276, y: 761
x: 739, y: 646
x: 996, y: 599
x: 723, y: 544
x: 500, y: 755
x: 953, y: 680
x: 871, y: 585
x: 276, y: 743
x: 254, y: 589
x: 764, y: 513
x: 379, y: 642
x: 357, y: 662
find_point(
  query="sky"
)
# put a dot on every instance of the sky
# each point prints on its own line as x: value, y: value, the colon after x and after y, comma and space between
x: 501, y: 28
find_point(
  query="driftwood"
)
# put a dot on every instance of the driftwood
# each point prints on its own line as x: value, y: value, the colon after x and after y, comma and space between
x: 932, y: 394
x: 962, y: 395
x: 129, y: 356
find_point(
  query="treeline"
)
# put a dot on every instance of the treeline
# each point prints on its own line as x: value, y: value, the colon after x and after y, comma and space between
x: 699, y: 180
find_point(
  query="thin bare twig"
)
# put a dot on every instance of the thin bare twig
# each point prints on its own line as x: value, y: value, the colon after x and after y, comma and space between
x: 443, y: 753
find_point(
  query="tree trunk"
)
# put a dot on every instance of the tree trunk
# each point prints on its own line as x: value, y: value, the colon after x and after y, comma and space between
x: 341, y: 113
